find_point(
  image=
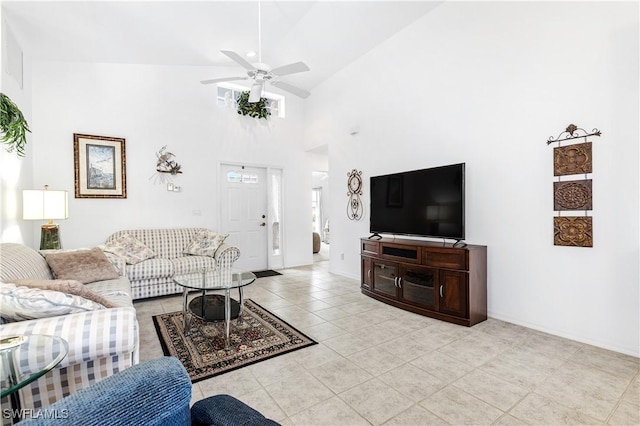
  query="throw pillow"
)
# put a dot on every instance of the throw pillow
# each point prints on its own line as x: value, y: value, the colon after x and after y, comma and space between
x: 73, y: 287
x: 205, y: 243
x: 24, y: 303
x: 130, y: 248
x: 85, y: 266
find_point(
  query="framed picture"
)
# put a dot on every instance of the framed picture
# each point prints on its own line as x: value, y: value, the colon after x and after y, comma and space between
x: 99, y: 163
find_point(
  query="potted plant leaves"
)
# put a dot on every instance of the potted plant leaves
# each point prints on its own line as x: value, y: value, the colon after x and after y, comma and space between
x: 13, y: 125
x: 252, y: 109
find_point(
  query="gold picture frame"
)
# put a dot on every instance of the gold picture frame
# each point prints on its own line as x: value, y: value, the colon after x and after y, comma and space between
x: 100, y: 166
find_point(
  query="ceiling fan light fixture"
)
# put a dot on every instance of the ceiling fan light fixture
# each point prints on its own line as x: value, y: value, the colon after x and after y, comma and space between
x: 251, y: 54
x: 262, y: 73
x: 256, y: 93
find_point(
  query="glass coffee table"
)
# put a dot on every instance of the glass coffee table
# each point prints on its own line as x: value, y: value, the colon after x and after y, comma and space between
x: 26, y: 359
x: 213, y: 307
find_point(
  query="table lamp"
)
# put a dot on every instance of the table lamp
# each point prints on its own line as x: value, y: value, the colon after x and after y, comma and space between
x: 45, y: 204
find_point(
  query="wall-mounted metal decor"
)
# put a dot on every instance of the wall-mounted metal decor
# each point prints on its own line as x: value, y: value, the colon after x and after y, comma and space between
x: 166, y: 166
x: 573, y: 195
x: 355, y: 209
x: 573, y: 132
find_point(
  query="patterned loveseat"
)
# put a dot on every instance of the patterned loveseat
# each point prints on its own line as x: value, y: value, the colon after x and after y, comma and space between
x: 101, y: 342
x: 154, y: 276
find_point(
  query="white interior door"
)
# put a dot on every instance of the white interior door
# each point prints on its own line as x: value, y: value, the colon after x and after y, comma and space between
x: 244, y: 214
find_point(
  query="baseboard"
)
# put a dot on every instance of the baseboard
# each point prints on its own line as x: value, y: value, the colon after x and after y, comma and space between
x: 344, y: 274
x: 570, y: 336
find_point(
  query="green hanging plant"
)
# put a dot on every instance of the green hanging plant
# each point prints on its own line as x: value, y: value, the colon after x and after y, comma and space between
x: 252, y: 109
x: 13, y: 126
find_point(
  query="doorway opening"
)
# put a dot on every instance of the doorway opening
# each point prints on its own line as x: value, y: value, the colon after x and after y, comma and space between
x: 320, y: 220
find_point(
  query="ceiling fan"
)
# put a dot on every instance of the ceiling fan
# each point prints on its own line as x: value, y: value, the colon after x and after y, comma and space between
x: 262, y: 73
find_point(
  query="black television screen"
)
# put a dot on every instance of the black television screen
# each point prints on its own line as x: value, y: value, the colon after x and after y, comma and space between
x: 427, y: 202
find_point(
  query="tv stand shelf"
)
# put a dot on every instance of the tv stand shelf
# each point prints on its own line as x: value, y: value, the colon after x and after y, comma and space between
x: 429, y: 278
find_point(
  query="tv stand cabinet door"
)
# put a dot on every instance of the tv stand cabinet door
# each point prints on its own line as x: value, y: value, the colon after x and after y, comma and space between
x: 453, y: 293
x: 418, y: 286
x: 385, y: 279
x: 367, y: 272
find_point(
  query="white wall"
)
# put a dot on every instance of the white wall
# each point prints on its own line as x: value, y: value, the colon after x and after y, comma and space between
x: 487, y: 83
x: 15, y: 172
x: 152, y: 106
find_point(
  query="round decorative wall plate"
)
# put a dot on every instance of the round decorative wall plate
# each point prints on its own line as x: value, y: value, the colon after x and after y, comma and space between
x: 354, y: 182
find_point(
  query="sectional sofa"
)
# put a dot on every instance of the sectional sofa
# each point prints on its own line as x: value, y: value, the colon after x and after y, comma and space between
x: 98, y: 319
x: 101, y: 340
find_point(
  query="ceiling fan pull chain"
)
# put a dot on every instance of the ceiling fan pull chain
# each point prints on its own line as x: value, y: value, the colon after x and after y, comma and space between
x: 259, y: 32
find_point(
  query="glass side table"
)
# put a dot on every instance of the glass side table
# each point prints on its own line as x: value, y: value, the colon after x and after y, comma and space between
x: 212, y: 307
x: 20, y: 367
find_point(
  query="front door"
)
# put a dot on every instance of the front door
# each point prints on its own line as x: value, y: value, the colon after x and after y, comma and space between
x: 244, y: 214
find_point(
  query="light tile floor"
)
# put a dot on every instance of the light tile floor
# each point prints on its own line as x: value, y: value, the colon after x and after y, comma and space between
x: 376, y: 364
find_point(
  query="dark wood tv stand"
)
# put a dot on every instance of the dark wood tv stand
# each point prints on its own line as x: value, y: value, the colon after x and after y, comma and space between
x: 428, y: 278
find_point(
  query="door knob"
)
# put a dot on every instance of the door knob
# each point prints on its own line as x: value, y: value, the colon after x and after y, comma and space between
x: 263, y: 224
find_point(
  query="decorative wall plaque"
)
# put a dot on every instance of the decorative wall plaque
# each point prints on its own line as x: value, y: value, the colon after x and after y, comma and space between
x: 572, y: 159
x: 355, y: 209
x: 574, y: 231
x: 572, y: 195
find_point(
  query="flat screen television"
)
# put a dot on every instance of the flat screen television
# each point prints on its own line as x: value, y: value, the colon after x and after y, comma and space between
x: 427, y: 202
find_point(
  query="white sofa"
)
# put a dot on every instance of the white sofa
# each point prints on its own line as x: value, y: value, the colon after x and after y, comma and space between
x: 154, y: 277
x: 101, y: 342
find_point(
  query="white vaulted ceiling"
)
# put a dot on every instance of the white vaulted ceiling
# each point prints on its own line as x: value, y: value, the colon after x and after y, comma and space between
x: 325, y: 35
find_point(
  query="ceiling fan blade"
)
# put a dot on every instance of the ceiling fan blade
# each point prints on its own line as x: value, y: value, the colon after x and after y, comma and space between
x: 219, y: 80
x: 238, y: 59
x: 256, y: 92
x: 291, y: 89
x: 290, y: 69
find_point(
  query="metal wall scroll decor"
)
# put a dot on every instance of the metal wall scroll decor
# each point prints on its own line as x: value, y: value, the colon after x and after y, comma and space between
x: 355, y: 209
x: 166, y: 166
x: 573, y: 195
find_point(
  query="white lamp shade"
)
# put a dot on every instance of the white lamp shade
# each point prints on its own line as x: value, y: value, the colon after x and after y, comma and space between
x: 38, y: 204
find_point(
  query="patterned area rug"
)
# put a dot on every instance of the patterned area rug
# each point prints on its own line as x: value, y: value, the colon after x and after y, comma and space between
x: 260, y: 335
